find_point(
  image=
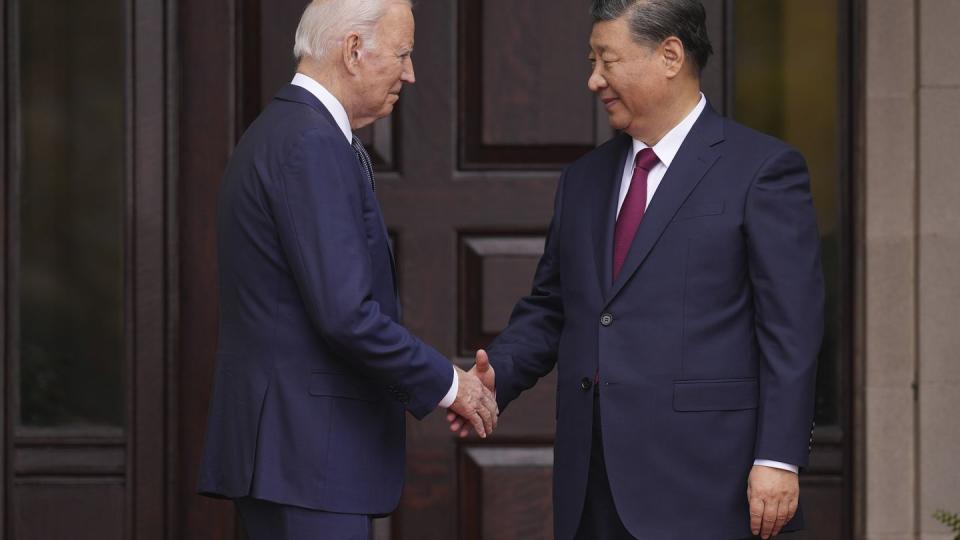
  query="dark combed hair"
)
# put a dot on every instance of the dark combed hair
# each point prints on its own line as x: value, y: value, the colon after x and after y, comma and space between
x: 652, y: 21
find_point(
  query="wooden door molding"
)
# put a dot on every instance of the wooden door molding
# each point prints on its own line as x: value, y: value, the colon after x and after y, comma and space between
x: 8, y: 121
x: 207, y: 118
x: 152, y: 271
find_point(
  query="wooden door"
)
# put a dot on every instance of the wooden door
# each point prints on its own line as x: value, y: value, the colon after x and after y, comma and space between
x: 85, y: 440
x: 466, y: 169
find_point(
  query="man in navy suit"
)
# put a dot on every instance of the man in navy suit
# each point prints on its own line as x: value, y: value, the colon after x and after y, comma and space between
x: 680, y: 296
x: 314, y: 373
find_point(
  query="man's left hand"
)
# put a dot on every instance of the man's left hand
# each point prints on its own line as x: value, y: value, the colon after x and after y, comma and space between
x: 773, y: 495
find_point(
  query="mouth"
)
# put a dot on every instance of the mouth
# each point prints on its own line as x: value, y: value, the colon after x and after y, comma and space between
x: 609, y: 102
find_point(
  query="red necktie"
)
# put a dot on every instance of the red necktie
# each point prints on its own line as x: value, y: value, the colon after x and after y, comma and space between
x: 631, y: 212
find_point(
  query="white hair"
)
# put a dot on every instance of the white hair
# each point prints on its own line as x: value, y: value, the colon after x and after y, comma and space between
x: 326, y: 22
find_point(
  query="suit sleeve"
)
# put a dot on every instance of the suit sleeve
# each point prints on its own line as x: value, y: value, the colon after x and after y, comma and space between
x: 787, y: 280
x: 316, y: 204
x: 527, y: 349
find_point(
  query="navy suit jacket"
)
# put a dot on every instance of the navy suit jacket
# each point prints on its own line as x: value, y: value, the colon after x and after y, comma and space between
x: 707, y: 353
x: 313, y: 371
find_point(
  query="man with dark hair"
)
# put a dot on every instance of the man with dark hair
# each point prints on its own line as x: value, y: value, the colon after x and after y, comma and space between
x: 680, y: 296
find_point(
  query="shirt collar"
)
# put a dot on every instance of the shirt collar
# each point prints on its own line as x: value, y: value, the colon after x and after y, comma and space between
x: 669, y: 145
x: 328, y: 100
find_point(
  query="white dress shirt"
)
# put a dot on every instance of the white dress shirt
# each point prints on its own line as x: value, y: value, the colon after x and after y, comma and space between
x: 666, y: 150
x: 339, y: 114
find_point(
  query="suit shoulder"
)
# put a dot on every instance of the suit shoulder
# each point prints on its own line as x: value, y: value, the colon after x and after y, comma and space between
x: 760, y: 145
x: 290, y: 122
x: 284, y: 136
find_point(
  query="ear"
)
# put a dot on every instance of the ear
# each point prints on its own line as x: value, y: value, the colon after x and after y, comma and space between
x: 674, y: 57
x: 352, y: 49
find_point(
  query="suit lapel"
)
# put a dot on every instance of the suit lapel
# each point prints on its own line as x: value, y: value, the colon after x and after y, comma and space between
x: 605, y: 208
x: 696, y: 156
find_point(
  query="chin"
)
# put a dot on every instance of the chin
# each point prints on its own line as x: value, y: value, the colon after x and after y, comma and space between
x: 618, y: 121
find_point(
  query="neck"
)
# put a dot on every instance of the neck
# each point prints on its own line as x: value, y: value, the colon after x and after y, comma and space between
x: 327, y: 75
x: 668, y: 116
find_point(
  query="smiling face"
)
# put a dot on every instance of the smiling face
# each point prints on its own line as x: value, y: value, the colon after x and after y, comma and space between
x: 630, y: 78
x: 383, y: 69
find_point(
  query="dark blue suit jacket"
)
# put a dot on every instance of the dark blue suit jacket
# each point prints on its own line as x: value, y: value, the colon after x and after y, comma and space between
x: 708, y: 360
x: 314, y: 372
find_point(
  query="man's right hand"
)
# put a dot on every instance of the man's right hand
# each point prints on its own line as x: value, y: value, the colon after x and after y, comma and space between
x: 475, y: 403
x: 773, y: 495
x: 484, y: 371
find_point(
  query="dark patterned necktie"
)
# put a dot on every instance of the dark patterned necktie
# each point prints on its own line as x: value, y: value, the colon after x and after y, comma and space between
x: 365, y: 162
x: 633, y: 208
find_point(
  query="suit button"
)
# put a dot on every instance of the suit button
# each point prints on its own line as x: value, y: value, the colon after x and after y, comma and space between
x: 586, y: 383
x: 606, y: 319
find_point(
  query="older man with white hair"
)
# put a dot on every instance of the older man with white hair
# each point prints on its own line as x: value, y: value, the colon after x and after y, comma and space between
x: 314, y: 372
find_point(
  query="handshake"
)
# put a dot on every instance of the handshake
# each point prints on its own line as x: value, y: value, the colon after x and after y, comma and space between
x: 476, y: 402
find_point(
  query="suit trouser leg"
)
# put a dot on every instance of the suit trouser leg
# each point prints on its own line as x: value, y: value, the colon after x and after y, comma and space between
x: 600, y: 520
x: 264, y: 520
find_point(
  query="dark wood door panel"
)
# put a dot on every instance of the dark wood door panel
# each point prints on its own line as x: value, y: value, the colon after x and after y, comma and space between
x: 512, y: 488
x: 527, y: 77
x: 494, y: 270
x: 523, y: 102
x: 69, y: 509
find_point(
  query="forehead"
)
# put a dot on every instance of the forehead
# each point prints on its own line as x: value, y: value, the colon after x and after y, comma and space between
x: 397, y: 24
x: 611, y: 35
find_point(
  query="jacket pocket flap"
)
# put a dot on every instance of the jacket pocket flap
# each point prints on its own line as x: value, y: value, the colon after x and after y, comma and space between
x: 698, y: 209
x: 342, y: 386
x: 715, y: 395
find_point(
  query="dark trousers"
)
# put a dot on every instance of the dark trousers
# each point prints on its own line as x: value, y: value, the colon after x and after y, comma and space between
x: 264, y: 520
x: 600, y: 520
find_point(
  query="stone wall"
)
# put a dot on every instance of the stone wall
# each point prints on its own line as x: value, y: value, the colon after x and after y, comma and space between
x: 908, y: 383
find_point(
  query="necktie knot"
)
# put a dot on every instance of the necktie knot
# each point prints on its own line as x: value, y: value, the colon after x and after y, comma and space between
x: 357, y: 144
x: 646, y: 159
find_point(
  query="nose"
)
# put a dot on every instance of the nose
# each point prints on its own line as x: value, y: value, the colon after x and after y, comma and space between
x: 408, y: 75
x: 596, y: 82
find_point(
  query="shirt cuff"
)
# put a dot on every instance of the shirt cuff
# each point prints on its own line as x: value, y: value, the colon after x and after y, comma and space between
x: 777, y: 465
x: 451, y: 396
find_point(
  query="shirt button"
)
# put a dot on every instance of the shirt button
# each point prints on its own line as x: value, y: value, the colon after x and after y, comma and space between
x: 606, y: 319
x: 586, y: 383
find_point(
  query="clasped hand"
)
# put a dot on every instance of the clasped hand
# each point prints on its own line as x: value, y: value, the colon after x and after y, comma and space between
x: 476, y: 403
